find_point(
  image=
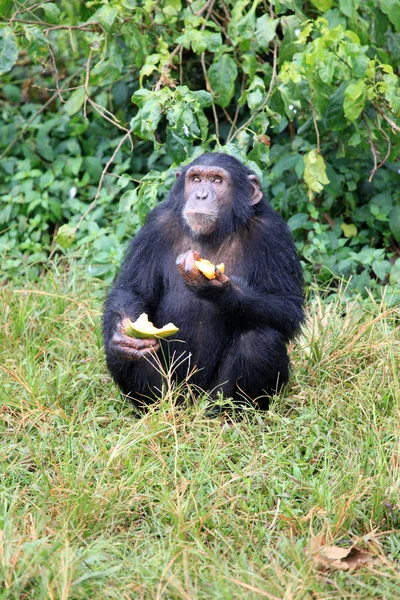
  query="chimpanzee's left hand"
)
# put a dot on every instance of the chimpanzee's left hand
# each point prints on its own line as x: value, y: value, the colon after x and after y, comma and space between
x: 195, y: 278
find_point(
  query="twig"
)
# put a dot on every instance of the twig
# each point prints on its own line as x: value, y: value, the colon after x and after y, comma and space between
x: 209, y: 89
x: 235, y: 118
x: 87, y: 77
x: 56, y: 74
x: 226, y: 11
x: 210, y: 6
x: 37, y: 113
x: 205, y: 7
x: 87, y: 26
x: 314, y: 118
x: 179, y: 48
x: 389, y: 145
x: 103, y: 174
x: 265, y: 102
x: 101, y: 110
x: 25, y: 8
x: 389, y: 120
x: 374, y: 151
x: 167, y: 66
x: 180, y: 66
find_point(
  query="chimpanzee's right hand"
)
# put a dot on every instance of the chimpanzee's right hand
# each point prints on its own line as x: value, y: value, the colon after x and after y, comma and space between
x: 130, y: 348
x: 185, y: 263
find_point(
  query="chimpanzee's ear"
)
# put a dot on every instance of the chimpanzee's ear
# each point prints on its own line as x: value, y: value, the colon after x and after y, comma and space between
x: 178, y: 174
x: 257, y: 192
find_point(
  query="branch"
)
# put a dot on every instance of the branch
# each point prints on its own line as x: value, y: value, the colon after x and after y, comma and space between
x: 179, y: 48
x: 209, y: 89
x: 37, y: 113
x: 265, y: 102
x: 235, y: 118
x: 103, y: 174
x: 389, y: 120
x: 314, y: 118
x: 167, y: 67
x: 374, y: 151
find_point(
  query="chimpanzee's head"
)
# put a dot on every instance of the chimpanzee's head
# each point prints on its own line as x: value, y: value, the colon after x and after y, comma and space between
x: 218, y: 192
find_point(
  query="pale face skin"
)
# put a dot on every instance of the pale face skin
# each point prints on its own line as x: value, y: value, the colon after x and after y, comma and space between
x: 208, y: 192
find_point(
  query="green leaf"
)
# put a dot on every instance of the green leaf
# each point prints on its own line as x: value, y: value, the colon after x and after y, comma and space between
x: 38, y: 48
x: 222, y: 76
x: 315, y: 171
x: 381, y: 268
x: 265, y: 30
x: 354, y: 99
x: 147, y: 119
x: 327, y: 71
x: 51, y: 11
x: 178, y: 147
x: 394, y: 222
x: 255, y: 99
x: 349, y: 230
x: 260, y: 154
x: 66, y: 236
x: 127, y: 200
x: 334, y: 113
x: 44, y: 147
x: 392, y: 9
x: 298, y: 221
x: 203, y: 98
x: 249, y: 64
x: 6, y: 7
x: 348, y: 8
x: 200, y: 40
x: 322, y: 5
x: 75, y: 102
x: 105, y: 15
x: 395, y: 273
x: 8, y: 49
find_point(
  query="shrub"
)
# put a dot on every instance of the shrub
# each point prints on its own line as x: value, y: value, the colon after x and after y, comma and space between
x: 305, y: 93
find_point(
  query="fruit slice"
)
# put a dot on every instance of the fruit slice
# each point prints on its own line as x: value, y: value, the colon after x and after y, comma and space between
x: 207, y: 268
x: 142, y: 328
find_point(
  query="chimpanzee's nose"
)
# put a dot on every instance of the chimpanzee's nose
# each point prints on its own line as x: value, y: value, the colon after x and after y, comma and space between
x: 201, y: 193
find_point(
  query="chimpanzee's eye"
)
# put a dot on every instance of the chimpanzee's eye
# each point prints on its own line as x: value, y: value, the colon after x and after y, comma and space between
x: 196, y: 179
x: 217, y: 180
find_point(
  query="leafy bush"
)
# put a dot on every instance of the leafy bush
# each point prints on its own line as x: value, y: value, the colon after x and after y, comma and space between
x: 305, y: 93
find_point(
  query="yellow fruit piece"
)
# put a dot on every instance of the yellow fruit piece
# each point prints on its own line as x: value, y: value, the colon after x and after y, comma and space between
x: 207, y: 268
x: 142, y: 328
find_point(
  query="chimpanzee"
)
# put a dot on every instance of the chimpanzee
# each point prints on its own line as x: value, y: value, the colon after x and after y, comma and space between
x: 236, y: 326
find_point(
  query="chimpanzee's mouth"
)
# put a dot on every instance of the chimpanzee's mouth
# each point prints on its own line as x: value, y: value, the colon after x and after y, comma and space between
x: 201, y: 223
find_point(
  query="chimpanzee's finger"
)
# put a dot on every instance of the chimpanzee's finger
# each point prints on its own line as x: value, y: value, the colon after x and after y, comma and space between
x: 189, y: 261
x: 150, y: 350
x: 221, y: 277
x: 180, y: 259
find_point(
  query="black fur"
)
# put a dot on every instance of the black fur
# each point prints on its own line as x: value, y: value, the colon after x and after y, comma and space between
x: 237, y: 338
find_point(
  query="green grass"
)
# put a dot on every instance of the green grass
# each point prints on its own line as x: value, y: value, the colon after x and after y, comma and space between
x: 95, y: 503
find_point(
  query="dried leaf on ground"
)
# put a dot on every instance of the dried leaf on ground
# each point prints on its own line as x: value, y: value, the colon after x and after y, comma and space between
x: 335, y: 557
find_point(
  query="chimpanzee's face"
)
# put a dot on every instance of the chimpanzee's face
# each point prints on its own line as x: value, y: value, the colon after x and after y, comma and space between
x: 208, y: 193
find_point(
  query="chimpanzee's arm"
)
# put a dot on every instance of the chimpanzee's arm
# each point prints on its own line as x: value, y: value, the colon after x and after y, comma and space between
x: 138, y: 286
x: 251, y: 308
x: 272, y: 293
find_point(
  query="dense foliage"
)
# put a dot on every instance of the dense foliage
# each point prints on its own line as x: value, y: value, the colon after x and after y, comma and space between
x: 101, y: 99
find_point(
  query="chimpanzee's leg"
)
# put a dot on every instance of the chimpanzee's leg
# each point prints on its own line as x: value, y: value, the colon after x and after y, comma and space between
x: 140, y: 381
x: 255, y: 366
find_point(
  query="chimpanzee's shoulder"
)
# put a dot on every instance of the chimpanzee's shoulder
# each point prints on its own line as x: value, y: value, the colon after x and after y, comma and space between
x: 270, y: 225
